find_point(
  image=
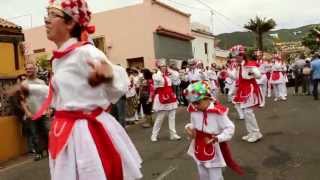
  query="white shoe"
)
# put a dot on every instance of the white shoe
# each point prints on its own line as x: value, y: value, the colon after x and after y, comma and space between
x: 154, y: 139
x: 246, y: 137
x: 175, y: 137
x: 254, y: 138
x: 283, y: 98
x: 275, y: 99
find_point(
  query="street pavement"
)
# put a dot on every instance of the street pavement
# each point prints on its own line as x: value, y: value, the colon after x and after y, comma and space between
x: 289, y: 149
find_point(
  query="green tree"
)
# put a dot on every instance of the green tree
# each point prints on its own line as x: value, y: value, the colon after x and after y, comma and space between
x: 310, y: 40
x: 43, y: 62
x: 260, y: 26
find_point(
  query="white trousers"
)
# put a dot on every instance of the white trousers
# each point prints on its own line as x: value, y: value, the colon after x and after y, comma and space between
x: 279, y: 90
x: 209, y: 173
x: 269, y: 89
x: 240, y: 111
x: 264, y: 91
x: 250, y: 121
x: 159, y: 120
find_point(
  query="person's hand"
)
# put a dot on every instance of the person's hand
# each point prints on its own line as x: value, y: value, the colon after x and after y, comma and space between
x: 191, y: 132
x: 149, y: 100
x: 212, y: 140
x: 101, y: 72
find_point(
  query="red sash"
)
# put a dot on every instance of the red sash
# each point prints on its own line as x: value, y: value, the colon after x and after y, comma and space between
x: 62, y: 126
x: 166, y: 94
x: 275, y: 75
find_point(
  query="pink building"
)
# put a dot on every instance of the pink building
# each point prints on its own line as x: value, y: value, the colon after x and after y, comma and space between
x: 134, y: 35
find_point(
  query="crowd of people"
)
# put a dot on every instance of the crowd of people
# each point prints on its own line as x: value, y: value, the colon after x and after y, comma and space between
x: 85, y: 88
x: 246, y: 80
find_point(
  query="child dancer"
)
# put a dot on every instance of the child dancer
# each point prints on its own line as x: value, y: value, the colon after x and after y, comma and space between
x: 209, y: 129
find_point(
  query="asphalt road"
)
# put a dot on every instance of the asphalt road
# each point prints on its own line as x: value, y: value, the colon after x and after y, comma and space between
x: 288, y: 151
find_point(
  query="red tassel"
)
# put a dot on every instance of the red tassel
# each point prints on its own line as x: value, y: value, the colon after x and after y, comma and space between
x: 91, y: 29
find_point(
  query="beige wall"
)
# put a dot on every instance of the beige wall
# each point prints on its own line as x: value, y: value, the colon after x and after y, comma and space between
x: 125, y: 33
x: 36, y: 38
x: 128, y: 31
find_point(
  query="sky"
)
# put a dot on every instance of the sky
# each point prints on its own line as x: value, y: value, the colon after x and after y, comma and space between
x: 228, y: 15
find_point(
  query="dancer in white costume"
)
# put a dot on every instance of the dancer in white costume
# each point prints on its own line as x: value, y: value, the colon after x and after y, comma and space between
x: 230, y: 82
x: 278, y: 80
x: 194, y: 74
x: 213, y: 79
x: 210, y: 129
x: 263, y: 80
x: 165, y: 101
x: 248, y: 94
x: 85, y: 141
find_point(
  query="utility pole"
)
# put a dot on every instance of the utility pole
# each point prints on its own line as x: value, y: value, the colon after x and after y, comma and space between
x: 212, y: 21
x: 211, y: 14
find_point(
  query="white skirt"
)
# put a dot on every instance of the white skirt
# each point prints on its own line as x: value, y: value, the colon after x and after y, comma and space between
x: 217, y: 161
x: 263, y: 80
x: 80, y: 160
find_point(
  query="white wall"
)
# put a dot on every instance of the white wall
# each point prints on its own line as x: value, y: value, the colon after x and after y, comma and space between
x: 198, y: 48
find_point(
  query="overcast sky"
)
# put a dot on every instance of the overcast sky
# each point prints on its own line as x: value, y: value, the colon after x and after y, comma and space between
x: 229, y: 15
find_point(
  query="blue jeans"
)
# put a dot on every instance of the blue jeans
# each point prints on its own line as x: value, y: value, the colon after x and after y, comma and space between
x: 315, y: 89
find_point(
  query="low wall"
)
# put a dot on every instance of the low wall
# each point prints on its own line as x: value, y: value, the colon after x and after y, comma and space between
x: 12, y: 142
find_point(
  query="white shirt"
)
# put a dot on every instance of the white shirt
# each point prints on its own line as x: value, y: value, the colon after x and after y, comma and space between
x: 175, y: 77
x: 194, y: 75
x: 159, y: 80
x: 70, y: 80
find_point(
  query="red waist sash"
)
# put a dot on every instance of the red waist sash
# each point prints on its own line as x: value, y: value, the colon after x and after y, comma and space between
x: 61, y: 129
x: 205, y: 152
x: 275, y: 75
x: 202, y: 150
x: 166, y: 95
x: 245, y: 89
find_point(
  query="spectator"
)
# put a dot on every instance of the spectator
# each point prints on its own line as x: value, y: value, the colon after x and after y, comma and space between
x: 297, y: 68
x: 176, y: 81
x: 132, y: 102
x: 315, y: 70
x: 39, y: 129
x: 146, y: 97
x: 306, y: 72
x: 222, y: 75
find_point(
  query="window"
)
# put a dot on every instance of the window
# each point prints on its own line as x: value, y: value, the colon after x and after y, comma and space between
x: 99, y: 42
x: 39, y: 50
x: 206, y: 48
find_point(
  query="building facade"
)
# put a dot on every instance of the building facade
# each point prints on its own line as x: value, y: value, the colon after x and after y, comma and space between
x: 134, y: 35
x: 221, y: 57
x: 203, y: 44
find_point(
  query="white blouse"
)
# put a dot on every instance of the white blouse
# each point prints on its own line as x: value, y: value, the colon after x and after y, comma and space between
x: 70, y: 80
